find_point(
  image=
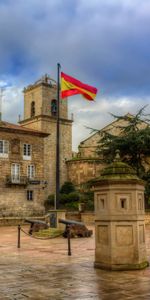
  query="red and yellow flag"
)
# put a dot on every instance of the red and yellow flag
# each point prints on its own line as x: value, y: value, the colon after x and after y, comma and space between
x: 71, y: 86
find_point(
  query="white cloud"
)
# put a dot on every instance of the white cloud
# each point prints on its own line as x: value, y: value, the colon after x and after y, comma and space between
x: 12, y: 104
x: 102, y: 43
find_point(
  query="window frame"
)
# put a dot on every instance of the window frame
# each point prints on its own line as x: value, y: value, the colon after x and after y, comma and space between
x: 32, y: 113
x: 54, y: 108
x: 15, y: 176
x: 27, y: 150
x: 30, y: 195
x: 4, y: 148
x: 31, y: 171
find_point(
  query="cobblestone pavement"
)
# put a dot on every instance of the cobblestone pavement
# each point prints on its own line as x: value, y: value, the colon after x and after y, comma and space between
x: 43, y: 270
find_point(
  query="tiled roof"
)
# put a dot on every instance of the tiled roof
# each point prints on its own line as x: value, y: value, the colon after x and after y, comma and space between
x: 5, y: 126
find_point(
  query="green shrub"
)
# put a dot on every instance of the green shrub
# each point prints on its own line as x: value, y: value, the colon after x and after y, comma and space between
x: 67, y: 188
x: 89, y: 205
x: 73, y: 197
x: 63, y: 198
x: 87, y: 198
x: 71, y: 206
x: 69, y: 197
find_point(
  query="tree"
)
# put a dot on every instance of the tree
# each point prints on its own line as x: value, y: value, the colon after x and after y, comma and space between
x: 133, y: 142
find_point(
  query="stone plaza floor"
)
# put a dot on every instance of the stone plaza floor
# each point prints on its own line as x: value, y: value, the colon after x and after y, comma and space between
x: 43, y: 270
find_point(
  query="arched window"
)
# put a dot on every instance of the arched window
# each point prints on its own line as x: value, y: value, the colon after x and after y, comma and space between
x: 54, y: 107
x: 32, y: 109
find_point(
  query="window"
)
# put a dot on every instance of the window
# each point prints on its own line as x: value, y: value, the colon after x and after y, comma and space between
x: 140, y: 203
x: 102, y: 203
x: 123, y: 203
x: 32, y: 109
x: 4, y: 148
x: 31, y: 171
x: 54, y: 107
x: 15, y: 173
x: 27, y: 152
x: 29, y: 195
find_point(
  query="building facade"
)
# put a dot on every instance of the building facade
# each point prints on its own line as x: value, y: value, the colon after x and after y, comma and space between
x: 22, y: 182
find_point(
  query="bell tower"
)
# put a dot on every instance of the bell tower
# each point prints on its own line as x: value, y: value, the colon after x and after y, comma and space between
x: 40, y: 113
x: 40, y: 99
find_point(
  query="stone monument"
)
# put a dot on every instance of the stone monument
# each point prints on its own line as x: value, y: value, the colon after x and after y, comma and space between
x: 119, y: 222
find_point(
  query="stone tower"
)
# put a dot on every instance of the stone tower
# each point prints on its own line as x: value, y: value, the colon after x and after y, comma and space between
x: 40, y: 113
x: 119, y: 222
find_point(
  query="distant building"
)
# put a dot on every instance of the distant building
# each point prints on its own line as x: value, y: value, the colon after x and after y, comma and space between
x: 87, y: 165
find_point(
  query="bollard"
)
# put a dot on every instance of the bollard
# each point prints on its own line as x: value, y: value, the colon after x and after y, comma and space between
x: 19, y: 229
x: 69, y: 243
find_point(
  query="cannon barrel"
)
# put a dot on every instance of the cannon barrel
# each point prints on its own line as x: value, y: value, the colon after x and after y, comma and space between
x: 70, y: 222
x: 35, y: 221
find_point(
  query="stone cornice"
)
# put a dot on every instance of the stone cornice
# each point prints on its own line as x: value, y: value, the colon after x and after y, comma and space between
x: 44, y: 117
x: 24, y: 131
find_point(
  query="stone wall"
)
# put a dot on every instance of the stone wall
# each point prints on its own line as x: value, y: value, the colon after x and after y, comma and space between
x: 81, y: 170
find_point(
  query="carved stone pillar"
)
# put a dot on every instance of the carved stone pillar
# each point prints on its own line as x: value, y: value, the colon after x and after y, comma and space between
x: 119, y: 224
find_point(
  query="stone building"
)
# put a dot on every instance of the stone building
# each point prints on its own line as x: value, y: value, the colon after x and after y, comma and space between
x: 86, y: 164
x: 22, y: 182
x: 28, y: 151
x: 40, y: 113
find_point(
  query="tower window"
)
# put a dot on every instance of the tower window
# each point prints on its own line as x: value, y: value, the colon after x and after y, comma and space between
x: 123, y: 203
x: 32, y: 109
x: 54, y: 107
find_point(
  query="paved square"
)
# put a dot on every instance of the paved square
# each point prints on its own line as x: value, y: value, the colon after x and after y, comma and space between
x: 43, y: 270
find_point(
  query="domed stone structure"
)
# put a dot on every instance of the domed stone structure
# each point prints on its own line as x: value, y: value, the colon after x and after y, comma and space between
x: 119, y: 222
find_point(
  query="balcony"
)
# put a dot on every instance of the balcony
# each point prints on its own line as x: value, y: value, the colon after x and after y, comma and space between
x: 16, y: 180
x: 24, y: 181
x: 37, y: 181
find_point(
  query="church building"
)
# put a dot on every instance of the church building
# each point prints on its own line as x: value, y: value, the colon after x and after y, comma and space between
x: 28, y: 151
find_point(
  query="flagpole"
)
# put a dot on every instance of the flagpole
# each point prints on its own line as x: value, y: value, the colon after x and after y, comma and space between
x: 58, y: 139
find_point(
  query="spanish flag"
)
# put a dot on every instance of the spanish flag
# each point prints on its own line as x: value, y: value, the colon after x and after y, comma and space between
x: 71, y: 86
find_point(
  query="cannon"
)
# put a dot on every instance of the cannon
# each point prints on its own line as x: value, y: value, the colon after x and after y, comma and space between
x: 76, y: 229
x: 36, y: 225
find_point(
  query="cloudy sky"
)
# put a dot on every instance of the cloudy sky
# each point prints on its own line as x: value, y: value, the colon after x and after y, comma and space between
x: 104, y: 43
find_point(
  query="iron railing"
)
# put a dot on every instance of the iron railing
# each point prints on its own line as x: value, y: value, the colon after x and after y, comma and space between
x: 20, y: 180
x: 24, y: 180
